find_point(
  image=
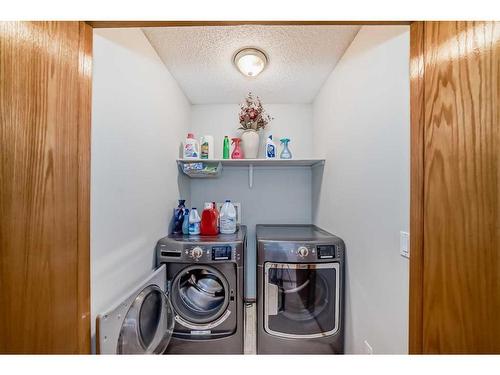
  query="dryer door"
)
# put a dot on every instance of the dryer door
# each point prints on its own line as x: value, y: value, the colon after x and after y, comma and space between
x: 142, y: 323
x: 301, y: 300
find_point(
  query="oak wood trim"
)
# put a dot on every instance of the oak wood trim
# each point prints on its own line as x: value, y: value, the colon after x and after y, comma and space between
x: 84, y: 130
x: 461, y: 290
x: 417, y: 105
x: 124, y: 24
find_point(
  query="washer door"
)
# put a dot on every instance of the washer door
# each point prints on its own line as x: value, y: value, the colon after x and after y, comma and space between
x: 148, y: 324
x: 200, y: 294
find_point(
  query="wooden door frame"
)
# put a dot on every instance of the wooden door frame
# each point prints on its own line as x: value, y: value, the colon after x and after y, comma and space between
x: 416, y: 70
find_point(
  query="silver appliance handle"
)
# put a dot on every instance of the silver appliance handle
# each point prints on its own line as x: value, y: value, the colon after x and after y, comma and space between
x: 272, y: 299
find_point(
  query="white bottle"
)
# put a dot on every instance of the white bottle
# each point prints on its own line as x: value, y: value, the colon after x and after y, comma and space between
x: 228, y: 218
x: 194, y: 221
x: 190, y: 148
x: 207, y: 147
x: 270, y: 148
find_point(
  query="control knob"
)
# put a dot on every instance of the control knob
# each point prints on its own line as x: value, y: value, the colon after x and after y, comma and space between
x: 303, y: 251
x: 197, y: 252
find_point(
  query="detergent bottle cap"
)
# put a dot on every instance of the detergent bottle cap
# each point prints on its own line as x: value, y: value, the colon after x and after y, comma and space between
x: 190, y: 135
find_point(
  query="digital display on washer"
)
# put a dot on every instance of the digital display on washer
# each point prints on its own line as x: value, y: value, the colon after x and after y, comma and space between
x: 326, y: 252
x: 221, y: 253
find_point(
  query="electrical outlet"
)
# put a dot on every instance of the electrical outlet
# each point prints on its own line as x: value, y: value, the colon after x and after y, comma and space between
x: 404, y: 244
x: 368, y: 348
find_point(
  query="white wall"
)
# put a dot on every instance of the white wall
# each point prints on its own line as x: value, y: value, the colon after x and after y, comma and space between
x: 293, y: 121
x: 278, y: 195
x: 361, y: 126
x: 139, y: 115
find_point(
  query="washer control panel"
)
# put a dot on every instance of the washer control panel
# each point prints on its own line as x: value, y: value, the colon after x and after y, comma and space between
x: 200, y: 253
x: 223, y: 252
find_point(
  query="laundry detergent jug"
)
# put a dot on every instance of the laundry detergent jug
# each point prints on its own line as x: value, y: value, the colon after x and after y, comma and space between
x: 209, y: 218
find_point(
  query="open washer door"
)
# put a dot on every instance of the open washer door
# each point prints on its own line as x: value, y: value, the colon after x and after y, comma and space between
x: 142, y: 323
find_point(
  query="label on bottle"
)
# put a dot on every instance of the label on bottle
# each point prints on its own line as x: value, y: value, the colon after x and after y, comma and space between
x: 194, y: 228
x: 190, y: 151
x: 227, y: 224
x: 204, y: 150
x: 270, y: 150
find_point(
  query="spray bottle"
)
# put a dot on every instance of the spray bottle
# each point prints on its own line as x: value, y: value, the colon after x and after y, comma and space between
x: 285, y: 153
x: 237, y: 153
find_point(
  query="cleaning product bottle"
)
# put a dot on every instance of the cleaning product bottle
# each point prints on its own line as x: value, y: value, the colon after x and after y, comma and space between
x: 217, y: 214
x: 191, y: 149
x: 225, y: 148
x: 185, y: 223
x: 179, y: 217
x: 208, y: 226
x: 285, y: 153
x: 207, y: 147
x: 228, y: 218
x: 194, y: 221
x: 270, y: 148
x: 237, y: 153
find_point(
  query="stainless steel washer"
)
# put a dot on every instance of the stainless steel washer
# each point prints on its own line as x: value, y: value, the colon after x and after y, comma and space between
x: 300, y: 290
x: 205, y: 285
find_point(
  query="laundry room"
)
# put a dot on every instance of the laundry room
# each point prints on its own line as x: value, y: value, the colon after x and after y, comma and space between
x: 256, y: 178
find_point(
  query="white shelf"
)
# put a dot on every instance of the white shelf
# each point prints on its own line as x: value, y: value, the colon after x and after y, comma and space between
x: 250, y: 163
x: 258, y: 162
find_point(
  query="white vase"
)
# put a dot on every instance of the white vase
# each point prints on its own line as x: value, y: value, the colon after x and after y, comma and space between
x: 250, y: 142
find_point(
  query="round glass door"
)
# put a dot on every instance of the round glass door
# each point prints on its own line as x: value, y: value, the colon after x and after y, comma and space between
x: 148, y: 325
x: 200, y: 294
x: 301, y: 300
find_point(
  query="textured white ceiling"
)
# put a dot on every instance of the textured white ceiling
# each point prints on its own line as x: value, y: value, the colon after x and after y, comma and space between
x: 300, y: 60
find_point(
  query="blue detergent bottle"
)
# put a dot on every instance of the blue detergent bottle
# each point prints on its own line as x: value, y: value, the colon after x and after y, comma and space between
x: 285, y: 153
x: 185, y: 223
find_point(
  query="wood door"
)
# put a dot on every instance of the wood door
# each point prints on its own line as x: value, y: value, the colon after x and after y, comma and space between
x: 455, y: 208
x: 44, y: 187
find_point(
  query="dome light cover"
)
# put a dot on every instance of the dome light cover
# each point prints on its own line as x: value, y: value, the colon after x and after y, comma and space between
x: 250, y: 61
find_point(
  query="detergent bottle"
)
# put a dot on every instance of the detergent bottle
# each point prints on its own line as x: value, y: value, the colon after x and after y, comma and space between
x: 270, y: 148
x: 225, y: 148
x: 285, y: 153
x: 208, y: 225
x: 185, y: 223
x: 179, y: 217
x: 237, y: 153
x: 194, y: 221
x: 191, y: 147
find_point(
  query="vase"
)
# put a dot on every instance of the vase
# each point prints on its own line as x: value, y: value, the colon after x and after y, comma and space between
x: 250, y: 144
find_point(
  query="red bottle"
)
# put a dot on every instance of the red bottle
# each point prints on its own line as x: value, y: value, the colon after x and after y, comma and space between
x: 209, y: 216
x: 237, y: 153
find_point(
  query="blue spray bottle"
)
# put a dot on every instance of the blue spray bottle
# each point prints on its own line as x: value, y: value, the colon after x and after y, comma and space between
x: 285, y: 153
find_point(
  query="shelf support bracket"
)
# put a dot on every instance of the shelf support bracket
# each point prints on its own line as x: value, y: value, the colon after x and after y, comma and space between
x: 250, y: 176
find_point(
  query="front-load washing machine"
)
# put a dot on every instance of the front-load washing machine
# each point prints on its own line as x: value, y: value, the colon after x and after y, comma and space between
x: 191, y: 304
x: 205, y: 285
x: 300, y: 290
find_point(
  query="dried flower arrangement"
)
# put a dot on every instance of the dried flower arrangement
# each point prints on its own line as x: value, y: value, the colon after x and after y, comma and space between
x: 252, y: 114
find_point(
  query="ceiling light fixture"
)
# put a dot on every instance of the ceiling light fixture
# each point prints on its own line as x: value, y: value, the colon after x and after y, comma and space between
x: 250, y: 61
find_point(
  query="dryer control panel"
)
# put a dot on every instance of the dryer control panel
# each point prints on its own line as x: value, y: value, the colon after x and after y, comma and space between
x: 301, y: 252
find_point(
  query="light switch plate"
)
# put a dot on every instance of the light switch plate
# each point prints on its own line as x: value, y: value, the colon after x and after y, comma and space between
x: 404, y: 244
